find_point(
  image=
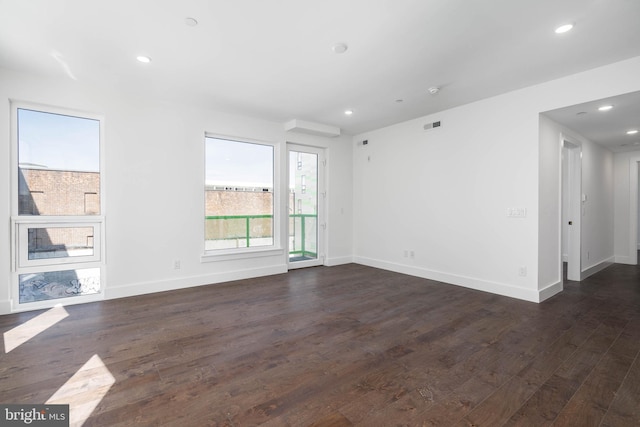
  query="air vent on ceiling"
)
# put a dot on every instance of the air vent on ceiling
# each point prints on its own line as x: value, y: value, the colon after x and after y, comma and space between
x: 433, y: 125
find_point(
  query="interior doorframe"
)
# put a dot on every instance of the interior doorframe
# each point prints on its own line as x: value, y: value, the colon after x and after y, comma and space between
x: 634, y: 166
x: 322, y: 199
x: 573, y: 150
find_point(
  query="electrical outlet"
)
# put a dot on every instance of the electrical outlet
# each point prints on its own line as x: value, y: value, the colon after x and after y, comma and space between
x: 412, y: 254
x: 522, y: 271
x: 176, y: 264
x: 406, y: 253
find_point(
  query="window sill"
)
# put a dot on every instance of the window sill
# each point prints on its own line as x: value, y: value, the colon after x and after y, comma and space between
x: 231, y: 255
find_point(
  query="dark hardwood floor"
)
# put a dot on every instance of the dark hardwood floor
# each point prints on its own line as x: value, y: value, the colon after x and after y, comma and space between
x: 340, y: 346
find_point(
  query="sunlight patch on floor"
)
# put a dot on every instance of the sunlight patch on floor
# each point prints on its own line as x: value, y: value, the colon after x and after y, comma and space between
x: 29, y: 329
x: 84, y: 390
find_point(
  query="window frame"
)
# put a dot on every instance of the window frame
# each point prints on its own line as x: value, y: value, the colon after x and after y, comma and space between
x: 21, y: 222
x: 22, y: 227
x: 214, y: 255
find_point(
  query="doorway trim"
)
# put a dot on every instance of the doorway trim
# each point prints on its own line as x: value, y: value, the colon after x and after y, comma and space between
x: 634, y: 166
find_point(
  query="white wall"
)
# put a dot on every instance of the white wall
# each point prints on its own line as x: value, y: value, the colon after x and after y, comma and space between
x: 154, y: 185
x: 626, y: 167
x: 444, y: 193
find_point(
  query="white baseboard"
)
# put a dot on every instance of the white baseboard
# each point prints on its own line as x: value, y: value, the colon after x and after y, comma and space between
x: 453, y: 279
x: 623, y: 259
x: 142, y: 288
x: 590, y: 271
x: 331, y: 262
x: 549, y: 291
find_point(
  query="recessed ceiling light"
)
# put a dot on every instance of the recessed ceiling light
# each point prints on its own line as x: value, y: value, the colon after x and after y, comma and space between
x: 605, y: 108
x: 564, y: 28
x: 581, y: 113
x: 632, y: 132
x: 191, y: 22
x: 143, y: 59
x: 348, y: 112
x: 434, y: 89
x: 399, y: 100
x: 339, y: 48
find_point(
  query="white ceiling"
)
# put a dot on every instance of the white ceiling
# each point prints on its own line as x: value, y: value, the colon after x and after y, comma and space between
x: 273, y: 58
x: 607, y: 128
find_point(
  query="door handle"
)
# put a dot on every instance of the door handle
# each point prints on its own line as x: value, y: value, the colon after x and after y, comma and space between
x: 570, y: 222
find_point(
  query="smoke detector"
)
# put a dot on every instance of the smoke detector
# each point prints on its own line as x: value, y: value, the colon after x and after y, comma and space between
x: 434, y: 89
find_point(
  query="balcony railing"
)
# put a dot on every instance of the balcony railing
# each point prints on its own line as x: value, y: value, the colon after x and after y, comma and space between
x: 238, y: 228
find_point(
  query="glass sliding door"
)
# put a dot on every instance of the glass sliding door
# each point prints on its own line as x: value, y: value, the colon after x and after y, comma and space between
x: 305, y: 205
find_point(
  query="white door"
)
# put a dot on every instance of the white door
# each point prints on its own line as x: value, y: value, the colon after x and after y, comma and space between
x: 305, y: 206
x: 573, y: 218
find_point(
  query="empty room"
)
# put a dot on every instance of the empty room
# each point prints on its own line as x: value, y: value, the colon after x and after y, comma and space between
x: 319, y: 213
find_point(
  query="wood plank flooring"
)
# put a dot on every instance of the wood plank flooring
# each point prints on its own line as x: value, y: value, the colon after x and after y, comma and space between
x: 343, y: 346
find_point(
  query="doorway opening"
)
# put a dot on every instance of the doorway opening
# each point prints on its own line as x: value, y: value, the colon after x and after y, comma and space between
x: 306, y: 206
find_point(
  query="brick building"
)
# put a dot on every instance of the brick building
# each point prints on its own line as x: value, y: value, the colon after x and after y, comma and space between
x: 243, y: 202
x: 58, y: 193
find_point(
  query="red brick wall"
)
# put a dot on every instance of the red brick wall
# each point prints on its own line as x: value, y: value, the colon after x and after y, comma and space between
x: 238, y: 203
x: 53, y: 192
x: 220, y: 202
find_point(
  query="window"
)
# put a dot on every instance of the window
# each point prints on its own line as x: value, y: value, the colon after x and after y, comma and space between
x: 57, y: 220
x: 58, y: 163
x: 239, y: 196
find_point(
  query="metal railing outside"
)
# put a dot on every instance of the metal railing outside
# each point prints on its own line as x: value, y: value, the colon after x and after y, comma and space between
x: 244, y: 232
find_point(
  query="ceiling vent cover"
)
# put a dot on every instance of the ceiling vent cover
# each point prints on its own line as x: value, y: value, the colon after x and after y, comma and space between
x: 433, y: 125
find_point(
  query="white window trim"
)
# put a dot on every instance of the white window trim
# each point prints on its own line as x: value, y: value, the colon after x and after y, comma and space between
x: 26, y: 220
x: 241, y: 253
x: 215, y: 255
x: 21, y: 225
